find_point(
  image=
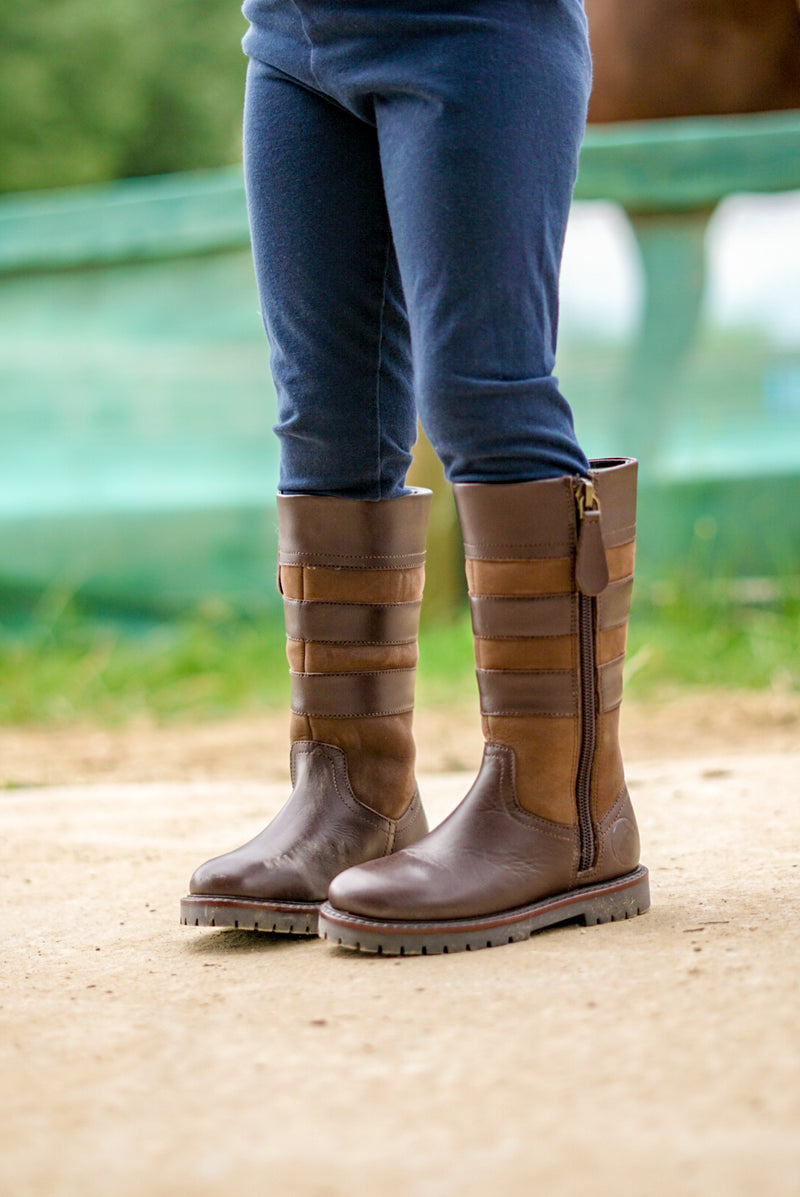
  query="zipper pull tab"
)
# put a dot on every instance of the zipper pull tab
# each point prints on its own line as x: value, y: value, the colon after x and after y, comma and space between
x: 591, y: 566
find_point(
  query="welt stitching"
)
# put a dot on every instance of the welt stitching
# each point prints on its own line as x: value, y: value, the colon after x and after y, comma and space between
x: 527, y: 544
x: 357, y: 672
x: 530, y: 636
x: 517, y: 810
x: 305, y: 557
x: 360, y: 715
x: 354, y: 644
x: 351, y: 803
x: 528, y: 714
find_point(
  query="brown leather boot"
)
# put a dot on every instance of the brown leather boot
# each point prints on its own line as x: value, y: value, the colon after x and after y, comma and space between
x: 351, y: 574
x: 547, y: 833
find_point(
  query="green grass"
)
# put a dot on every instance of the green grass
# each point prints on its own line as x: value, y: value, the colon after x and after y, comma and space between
x: 67, y: 666
x: 700, y: 636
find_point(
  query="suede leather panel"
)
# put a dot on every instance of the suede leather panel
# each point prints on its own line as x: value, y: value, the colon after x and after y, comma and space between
x: 608, y: 775
x: 300, y: 728
x: 621, y: 561
x: 380, y: 756
x: 524, y: 579
x: 546, y: 752
x: 552, y: 652
x: 609, y: 684
x: 611, y: 644
x: 349, y: 586
x: 308, y: 657
x: 614, y: 604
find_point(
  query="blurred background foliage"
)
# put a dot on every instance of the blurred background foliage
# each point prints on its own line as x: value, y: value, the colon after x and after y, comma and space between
x: 91, y: 92
x: 216, y: 662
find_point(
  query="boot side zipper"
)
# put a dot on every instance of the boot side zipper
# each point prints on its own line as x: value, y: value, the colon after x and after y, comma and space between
x: 591, y: 576
x: 583, y: 781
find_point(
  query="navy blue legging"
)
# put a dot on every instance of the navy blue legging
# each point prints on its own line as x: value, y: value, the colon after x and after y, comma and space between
x: 409, y: 168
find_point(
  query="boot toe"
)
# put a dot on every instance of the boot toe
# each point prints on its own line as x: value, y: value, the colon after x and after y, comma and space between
x: 364, y: 890
x: 216, y: 877
x: 399, y: 887
x: 283, y: 880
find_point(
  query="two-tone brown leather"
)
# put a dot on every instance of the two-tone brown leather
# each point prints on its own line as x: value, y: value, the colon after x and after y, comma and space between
x: 321, y: 830
x: 489, y: 855
x: 522, y: 542
x: 617, y: 840
x: 616, y: 489
x: 351, y: 574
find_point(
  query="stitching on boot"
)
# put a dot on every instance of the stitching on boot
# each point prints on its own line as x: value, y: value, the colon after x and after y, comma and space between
x: 348, y: 797
x: 508, y: 796
x: 607, y: 821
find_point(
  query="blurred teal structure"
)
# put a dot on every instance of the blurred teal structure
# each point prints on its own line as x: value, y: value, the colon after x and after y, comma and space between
x: 137, y: 462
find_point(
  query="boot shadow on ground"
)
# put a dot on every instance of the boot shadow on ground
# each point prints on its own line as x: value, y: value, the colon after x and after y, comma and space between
x: 230, y: 940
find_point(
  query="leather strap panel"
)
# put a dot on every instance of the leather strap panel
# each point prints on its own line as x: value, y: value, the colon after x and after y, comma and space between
x: 513, y: 692
x: 349, y: 695
x: 614, y: 604
x: 609, y: 685
x: 615, y: 479
x: 553, y: 575
x: 621, y: 559
x: 353, y: 533
x: 351, y: 623
x: 498, y: 618
x: 517, y: 520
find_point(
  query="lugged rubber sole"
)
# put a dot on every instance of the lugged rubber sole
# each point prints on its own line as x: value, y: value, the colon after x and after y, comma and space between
x: 288, y: 918
x: 610, y: 901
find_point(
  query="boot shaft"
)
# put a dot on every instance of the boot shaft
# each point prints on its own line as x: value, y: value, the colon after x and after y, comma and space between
x: 351, y: 573
x: 550, y: 571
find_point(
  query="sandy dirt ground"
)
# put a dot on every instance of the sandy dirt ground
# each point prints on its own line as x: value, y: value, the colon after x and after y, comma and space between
x: 140, y: 1057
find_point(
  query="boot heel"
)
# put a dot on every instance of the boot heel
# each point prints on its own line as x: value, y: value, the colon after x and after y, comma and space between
x: 629, y: 897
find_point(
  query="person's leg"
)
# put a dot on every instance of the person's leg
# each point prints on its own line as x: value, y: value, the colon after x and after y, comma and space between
x: 479, y: 155
x: 479, y: 108
x: 330, y: 293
